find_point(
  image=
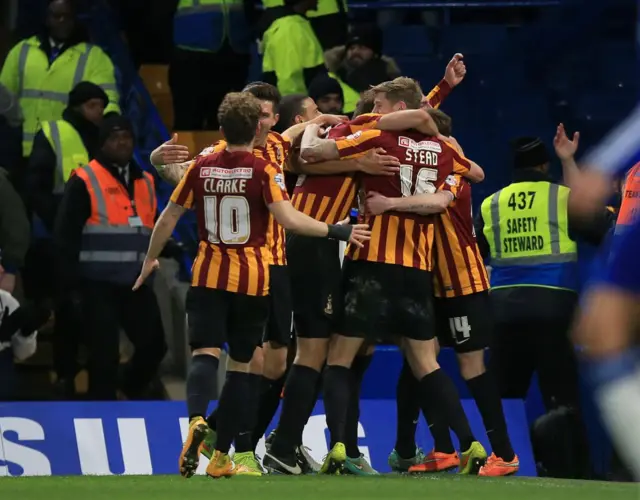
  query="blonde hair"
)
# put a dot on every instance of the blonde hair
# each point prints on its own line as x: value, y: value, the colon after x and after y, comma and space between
x: 401, y: 89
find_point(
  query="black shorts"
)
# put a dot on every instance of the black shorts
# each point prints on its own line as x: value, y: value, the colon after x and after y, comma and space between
x: 465, y: 323
x: 217, y: 316
x: 383, y: 300
x: 278, y: 328
x: 316, y: 284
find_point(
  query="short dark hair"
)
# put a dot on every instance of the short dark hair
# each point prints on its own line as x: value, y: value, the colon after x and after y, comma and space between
x: 265, y: 92
x: 238, y: 116
x: 290, y: 107
x: 442, y: 120
x: 403, y: 89
x: 365, y: 104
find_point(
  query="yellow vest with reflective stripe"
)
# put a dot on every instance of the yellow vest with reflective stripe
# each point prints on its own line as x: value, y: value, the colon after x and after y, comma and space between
x: 526, y: 227
x: 68, y: 148
x: 325, y: 7
x: 286, y: 63
x: 351, y: 97
x: 43, y: 89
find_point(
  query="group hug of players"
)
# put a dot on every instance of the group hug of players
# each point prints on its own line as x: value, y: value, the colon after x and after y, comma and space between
x: 412, y: 274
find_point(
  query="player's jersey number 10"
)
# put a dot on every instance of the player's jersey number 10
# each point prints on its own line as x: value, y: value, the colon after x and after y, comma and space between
x: 227, y: 219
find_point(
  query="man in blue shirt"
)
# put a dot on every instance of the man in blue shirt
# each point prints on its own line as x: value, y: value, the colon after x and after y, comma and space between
x: 608, y: 323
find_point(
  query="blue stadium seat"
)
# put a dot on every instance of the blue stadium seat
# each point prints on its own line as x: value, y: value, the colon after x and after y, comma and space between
x: 406, y: 40
x: 473, y: 38
x: 255, y: 67
x: 426, y: 70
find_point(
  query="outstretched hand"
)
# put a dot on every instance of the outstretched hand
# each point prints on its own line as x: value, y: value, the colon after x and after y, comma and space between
x: 148, y: 267
x: 170, y: 152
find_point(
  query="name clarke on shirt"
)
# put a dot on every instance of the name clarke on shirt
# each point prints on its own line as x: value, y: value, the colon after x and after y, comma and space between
x: 226, y: 180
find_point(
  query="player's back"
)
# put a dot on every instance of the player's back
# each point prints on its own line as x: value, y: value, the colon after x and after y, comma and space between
x: 459, y: 268
x: 327, y: 198
x: 231, y: 191
x: 402, y: 238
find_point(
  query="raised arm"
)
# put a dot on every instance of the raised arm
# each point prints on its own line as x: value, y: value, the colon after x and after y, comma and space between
x: 566, y: 150
x: 171, y: 160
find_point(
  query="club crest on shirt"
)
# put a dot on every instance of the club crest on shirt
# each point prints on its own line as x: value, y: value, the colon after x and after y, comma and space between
x: 278, y: 155
x: 354, y: 136
x: 451, y: 180
x: 328, y: 308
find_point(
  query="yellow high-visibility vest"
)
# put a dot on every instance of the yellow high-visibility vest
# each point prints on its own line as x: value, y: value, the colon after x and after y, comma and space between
x: 69, y: 149
x: 526, y: 227
x: 43, y: 88
x: 351, y: 96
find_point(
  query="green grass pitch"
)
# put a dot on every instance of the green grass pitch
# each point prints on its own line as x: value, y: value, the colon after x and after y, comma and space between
x: 387, y: 487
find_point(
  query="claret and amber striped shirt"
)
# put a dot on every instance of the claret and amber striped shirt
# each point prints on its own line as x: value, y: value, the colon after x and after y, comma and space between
x: 403, y: 238
x: 230, y: 192
x: 276, y: 151
x: 459, y: 268
x: 329, y: 198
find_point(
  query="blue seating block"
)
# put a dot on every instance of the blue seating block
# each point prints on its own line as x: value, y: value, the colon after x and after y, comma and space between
x: 406, y: 40
x: 473, y: 38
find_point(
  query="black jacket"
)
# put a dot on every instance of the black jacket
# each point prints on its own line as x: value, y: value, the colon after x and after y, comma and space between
x: 40, y: 179
x: 74, y: 210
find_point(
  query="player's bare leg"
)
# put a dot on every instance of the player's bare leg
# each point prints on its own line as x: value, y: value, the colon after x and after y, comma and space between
x: 605, y: 328
x: 201, y: 389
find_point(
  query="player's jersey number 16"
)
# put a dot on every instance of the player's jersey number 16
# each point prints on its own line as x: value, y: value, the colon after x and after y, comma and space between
x: 227, y: 219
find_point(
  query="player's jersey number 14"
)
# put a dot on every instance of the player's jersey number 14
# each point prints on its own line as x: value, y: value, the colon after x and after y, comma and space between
x: 227, y: 219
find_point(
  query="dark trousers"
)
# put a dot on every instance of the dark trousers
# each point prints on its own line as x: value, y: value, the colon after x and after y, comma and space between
x: 106, y: 308
x: 521, y: 348
x: 199, y: 82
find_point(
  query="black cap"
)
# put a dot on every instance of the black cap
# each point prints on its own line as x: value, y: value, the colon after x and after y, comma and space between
x: 529, y: 152
x: 113, y: 123
x: 368, y: 36
x: 85, y: 91
x: 323, y: 85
